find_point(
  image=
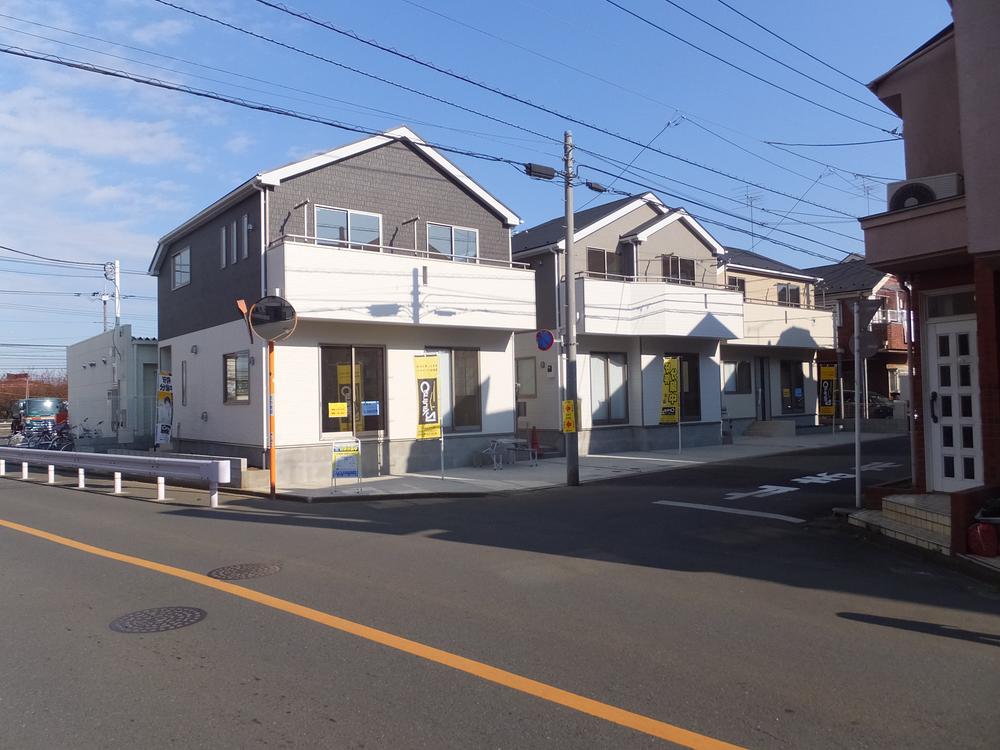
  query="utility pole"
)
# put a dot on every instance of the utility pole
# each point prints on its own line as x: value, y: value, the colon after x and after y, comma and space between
x: 572, y: 440
x: 857, y: 404
x: 104, y: 310
x: 118, y: 293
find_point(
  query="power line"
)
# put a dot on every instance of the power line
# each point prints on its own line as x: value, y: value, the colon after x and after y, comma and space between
x: 792, y: 44
x: 783, y: 64
x: 512, y: 97
x: 289, y: 113
x: 60, y: 261
x: 733, y: 65
x: 817, y: 145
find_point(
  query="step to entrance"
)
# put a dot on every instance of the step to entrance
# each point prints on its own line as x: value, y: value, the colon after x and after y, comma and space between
x: 931, y: 512
x: 771, y: 428
x: 918, y: 536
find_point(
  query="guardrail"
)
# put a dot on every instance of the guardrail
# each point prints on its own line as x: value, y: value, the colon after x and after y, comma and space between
x: 211, y: 472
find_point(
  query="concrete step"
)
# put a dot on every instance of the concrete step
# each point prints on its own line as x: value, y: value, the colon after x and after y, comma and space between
x: 931, y: 512
x: 893, y: 528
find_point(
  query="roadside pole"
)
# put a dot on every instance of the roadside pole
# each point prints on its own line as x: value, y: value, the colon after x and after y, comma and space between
x: 857, y: 405
x: 572, y: 443
x: 272, y: 451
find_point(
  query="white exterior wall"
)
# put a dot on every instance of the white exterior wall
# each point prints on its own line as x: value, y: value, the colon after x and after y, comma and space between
x: 628, y: 345
x: 298, y: 382
x: 238, y: 424
x: 777, y: 325
x: 330, y: 283
x: 543, y: 409
x: 744, y: 406
x: 94, y: 367
x: 709, y: 374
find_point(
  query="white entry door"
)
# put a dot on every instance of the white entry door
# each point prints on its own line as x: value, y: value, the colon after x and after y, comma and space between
x: 952, y: 408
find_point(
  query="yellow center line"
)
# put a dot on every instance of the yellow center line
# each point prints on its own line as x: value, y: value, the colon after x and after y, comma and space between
x: 478, y: 669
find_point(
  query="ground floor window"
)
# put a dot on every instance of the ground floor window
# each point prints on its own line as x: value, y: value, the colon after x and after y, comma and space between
x: 793, y: 396
x: 736, y: 376
x: 690, y: 386
x: 352, y: 392
x: 609, y: 387
x: 236, y: 369
x: 460, y: 390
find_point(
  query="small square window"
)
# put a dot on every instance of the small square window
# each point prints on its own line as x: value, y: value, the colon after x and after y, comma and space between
x: 180, y: 268
x: 944, y: 346
x: 963, y: 345
x: 236, y: 372
x: 946, y: 406
x: 966, y: 402
x: 969, y: 467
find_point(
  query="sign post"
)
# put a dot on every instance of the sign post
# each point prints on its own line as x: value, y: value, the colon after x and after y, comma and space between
x: 272, y: 319
x: 164, y: 408
x: 863, y: 347
x: 827, y: 393
x: 346, y: 461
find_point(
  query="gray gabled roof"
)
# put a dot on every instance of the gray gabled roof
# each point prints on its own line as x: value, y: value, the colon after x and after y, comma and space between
x: 739, y: 257
x: 848, y: 276
x: 553, y: 230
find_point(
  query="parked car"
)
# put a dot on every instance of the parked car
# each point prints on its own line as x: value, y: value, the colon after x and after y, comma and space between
x: 879, y: 406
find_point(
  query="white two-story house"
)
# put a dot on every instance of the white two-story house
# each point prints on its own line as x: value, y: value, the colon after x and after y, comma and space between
x: 387, y: 251
x: 652, y: 283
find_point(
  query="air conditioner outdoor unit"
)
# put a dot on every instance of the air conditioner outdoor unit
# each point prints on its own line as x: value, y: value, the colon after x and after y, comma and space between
x: 910, y: 193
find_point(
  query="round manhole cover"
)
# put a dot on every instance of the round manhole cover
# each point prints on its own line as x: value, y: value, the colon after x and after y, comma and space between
x: 157, y: 620
x: 244, y: 571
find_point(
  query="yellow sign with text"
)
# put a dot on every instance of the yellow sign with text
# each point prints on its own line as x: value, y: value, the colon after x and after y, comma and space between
x: 568, y: 416
x: 670, y: 405
x: 336, y: 409
x: 827, y: 390
x: 428, y: 406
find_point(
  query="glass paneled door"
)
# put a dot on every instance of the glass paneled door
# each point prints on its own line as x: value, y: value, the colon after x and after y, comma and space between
x: 954, y: 426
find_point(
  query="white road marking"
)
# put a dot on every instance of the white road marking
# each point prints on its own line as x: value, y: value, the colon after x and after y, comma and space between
x: 765, y: 490
x: 735, y: 511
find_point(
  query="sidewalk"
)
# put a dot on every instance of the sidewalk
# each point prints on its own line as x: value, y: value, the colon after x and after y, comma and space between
x: 551, y: 472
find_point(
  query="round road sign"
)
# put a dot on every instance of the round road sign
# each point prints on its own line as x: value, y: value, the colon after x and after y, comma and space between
x: 544, y: 339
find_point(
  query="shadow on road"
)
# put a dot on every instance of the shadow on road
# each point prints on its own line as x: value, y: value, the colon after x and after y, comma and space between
x: 929, y: 628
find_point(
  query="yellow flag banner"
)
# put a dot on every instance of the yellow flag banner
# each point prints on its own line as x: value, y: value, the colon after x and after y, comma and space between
x: 827, y: 389
x: 569, y: 416
x: 670, y: 406
x: 428, y: 411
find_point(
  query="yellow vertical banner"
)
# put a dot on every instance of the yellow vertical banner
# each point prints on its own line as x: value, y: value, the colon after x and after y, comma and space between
x: 670, y: 405
x: 428, y: 406
x: 164, y: 408
x: 569, y: 416
x: 827, y: 390
x: 350, y: 394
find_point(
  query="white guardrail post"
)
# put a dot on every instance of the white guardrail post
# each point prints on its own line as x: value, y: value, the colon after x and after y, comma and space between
x: 210, y: 472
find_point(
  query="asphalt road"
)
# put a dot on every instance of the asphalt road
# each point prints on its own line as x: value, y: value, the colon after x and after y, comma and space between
x: 749, y: 630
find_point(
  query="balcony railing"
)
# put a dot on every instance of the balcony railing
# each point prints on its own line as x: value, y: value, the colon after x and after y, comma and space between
x: 690, y: 282
x: 391, y: 250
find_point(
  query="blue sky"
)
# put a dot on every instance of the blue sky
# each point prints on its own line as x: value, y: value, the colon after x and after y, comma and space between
x: 98, y: 168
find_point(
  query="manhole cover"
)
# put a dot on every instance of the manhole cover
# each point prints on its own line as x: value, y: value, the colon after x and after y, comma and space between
x: 245, y: 570
x: 157, y: 620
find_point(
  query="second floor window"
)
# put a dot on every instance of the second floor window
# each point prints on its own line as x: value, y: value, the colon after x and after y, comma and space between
x: 603, y: 262
x: 457, y: 243
x: 180, y: 268
x: 356, y: 229
x: 790, y: 295
x: 737, y: 285
x: 678, y: 269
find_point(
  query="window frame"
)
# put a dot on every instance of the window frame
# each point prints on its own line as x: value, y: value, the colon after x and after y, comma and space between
x: 235, y: 357
x: 245, y: 232
x: 173, y: 268
x: 452, y: 227
x: 668, y: 261
x: 737, y: 284
x: 233, y: 254
x: 348, y: 243
x: 450, y: 352
x: 223, y: 248
x: 695, y: 359
x: 796, y: 374
x: 357, y: 419
x: 738, y: 365
x: 787, y: 288
x: 521, y: 392
x: 605, y: 357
